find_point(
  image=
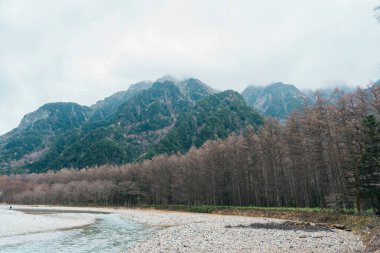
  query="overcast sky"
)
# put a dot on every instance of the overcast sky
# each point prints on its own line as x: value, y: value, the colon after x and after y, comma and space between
x: 85, y: 50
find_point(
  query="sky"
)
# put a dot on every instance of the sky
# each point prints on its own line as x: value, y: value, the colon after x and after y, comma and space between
x: 85, y: 50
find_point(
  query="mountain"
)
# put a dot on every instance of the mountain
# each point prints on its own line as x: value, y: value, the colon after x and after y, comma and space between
x: 147, y: 119
x: 35, y: 133
x: 275, y: 100
x: 216, y: 116
x: 167, y: 78
x: 105, y: 108
x: 137, y: 124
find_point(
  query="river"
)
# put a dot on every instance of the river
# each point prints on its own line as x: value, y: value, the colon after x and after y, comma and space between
x: 109, y: 233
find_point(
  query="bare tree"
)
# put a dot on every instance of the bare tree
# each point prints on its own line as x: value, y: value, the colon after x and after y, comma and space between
x: 325, y: 156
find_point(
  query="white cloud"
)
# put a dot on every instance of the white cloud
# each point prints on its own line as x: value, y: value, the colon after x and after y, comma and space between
x: 84, y: 50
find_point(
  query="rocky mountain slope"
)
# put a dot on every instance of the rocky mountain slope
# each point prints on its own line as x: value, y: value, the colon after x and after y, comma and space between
x: 275, y: 100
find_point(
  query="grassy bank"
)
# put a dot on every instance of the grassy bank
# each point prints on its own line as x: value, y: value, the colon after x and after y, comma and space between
x: 366, y: 225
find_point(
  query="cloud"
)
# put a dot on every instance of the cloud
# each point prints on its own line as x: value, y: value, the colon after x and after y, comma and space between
x: 84, y: 50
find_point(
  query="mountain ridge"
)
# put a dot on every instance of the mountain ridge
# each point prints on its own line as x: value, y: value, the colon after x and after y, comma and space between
x: 129, y: 123
x: 149, y: 118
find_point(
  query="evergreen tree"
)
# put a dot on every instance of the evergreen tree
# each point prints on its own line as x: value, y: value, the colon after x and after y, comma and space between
x: 370, y: 169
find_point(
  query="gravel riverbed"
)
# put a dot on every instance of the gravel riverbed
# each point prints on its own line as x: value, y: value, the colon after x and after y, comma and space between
x: 189, y: 232
x: 193, y: 232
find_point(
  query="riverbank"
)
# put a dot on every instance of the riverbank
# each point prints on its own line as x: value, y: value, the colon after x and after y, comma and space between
x: 196, y: 232
x: 366, y: 226
x: 191, y: 232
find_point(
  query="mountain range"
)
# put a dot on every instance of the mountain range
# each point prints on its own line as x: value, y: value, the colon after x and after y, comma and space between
x: 150, y: 118
x: 165, y: 116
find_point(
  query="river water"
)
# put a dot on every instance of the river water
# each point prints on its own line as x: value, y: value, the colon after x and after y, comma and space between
x: 110, y: 233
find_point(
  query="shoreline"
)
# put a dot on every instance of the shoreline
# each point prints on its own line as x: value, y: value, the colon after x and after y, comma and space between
x: 197, y: 232
x: 17, y: 222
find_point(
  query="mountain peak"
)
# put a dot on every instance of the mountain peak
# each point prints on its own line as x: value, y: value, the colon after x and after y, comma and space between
x: 194, y: 89
x: 194, y: 82
x: 137, y: 87
x: 103, y: 109
x: 167, y: 78
x: 281, y: 85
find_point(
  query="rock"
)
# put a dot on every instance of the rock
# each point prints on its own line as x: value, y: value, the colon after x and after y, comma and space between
x: 339, y: 226
x: 326, y: 225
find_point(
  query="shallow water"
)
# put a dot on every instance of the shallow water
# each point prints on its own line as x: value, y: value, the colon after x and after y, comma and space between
x: 110, y: 233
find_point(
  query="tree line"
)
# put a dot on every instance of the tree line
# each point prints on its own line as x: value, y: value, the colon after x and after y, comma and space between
x: 328, y: 155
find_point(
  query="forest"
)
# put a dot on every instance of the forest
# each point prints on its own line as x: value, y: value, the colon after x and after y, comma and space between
x: 328, y: 155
